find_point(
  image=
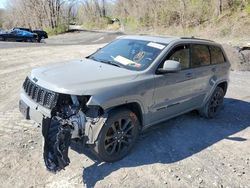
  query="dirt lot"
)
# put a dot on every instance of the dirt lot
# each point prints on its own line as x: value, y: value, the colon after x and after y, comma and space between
x: 188, y: 151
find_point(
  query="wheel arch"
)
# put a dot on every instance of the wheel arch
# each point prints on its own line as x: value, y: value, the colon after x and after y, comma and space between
x: 134, y: 107
x: 93, y: 131
x: 223, y: 85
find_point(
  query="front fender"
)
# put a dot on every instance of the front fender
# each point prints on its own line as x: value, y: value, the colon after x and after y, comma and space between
x: 94, y: 125
x: 106, y: 103
x: 93, y: 128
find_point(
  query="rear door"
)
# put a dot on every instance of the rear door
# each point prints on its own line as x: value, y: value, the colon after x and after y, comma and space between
x: 13, y: 36
x: 202, y: 71
x: 21, y: 35
x: 10, y: 36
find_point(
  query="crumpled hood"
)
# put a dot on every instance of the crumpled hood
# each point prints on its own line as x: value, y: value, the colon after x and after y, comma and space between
x: 81, y: 77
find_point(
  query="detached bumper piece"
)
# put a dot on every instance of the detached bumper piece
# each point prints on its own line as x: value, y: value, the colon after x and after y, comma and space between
x: 57, y: 139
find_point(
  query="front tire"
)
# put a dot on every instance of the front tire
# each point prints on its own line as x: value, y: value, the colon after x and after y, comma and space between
x: 117, y: 136
x: 214, y: 104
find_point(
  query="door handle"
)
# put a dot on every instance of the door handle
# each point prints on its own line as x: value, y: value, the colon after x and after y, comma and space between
x: 189, y: 75
x: 213, y: 69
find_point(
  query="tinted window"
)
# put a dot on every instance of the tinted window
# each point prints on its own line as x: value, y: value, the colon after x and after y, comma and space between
x: 216, y: 55
x: 181, y: 54
x: 200, y: 55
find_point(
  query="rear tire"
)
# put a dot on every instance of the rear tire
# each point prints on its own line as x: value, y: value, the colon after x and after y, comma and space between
x: 117, y: 136
x: 41, y: 40
x: 214, y: 104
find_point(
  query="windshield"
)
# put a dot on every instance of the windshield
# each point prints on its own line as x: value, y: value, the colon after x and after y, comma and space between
x: 129, y: 53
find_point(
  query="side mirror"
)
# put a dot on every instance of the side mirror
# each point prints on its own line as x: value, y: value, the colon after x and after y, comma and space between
x: 170, y: 66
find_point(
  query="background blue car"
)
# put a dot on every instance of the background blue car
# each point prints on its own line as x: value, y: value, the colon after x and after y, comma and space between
x: 18, y: 35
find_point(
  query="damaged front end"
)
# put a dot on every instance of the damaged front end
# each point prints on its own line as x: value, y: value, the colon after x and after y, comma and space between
x: 70, y: 119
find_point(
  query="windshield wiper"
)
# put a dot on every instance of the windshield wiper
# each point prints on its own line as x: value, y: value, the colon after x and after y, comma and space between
x: 110, y: 62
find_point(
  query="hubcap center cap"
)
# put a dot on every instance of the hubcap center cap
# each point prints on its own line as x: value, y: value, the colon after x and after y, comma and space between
x: 119, y: 135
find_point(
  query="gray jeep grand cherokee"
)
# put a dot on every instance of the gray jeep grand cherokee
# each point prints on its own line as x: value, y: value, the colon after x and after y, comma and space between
x: 134, y: 82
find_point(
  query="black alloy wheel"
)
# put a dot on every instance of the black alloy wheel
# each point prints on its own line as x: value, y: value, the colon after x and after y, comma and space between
x: 214, y: 104
x: 117, y: 136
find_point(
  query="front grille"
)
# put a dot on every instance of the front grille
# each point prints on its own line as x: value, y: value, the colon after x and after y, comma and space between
x: 40, y: 95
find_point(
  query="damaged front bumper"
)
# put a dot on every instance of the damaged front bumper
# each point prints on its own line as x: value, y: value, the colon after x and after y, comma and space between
x: 32, y: 110
x: 59, y: 132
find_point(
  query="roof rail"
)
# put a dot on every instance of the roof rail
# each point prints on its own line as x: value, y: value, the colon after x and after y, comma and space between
x: 192, y: 37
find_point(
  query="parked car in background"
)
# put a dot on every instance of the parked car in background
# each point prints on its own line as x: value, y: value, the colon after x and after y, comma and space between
x: 40, y: 33
x: 18, y: 36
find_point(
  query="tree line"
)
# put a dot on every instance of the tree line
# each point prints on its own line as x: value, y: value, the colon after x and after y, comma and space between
x: 132, y: 14
x: 165, y: 13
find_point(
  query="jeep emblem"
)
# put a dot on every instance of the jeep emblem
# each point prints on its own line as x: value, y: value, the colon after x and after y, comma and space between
x: 35, y: 79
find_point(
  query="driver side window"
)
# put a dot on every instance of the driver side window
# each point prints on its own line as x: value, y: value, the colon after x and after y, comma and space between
x: 180, y: 54
x: 14, y: 32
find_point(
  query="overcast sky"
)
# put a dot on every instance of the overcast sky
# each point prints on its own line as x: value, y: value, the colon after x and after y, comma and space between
x: 2, y: 3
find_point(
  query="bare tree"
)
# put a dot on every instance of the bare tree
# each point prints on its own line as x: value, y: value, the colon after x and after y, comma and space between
x: 103, y: 8
x: 55, y: 11
x: 134, y: 13
x: 34, y: 13
x: 218, y: 7
x: 1, y: 17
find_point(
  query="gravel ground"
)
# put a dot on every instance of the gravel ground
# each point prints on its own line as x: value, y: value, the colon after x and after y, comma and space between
x: 187, y: 151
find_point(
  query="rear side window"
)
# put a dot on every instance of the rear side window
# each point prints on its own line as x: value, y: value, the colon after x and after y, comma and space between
x: 200, y: 55
x: 180, y: 54
x: 217, y: 56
